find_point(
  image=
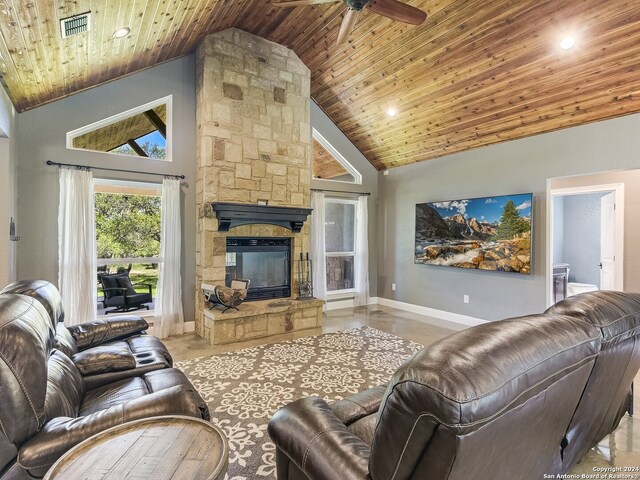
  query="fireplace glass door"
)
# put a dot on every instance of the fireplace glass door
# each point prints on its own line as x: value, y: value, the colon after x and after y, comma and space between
x: 266, y: 262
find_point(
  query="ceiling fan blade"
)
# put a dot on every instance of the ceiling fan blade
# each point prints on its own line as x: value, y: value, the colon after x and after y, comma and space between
x: 295, y: 3
x: 348, y: 22
x: 398, y: 11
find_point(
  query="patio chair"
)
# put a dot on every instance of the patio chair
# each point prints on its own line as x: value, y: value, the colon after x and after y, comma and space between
x: 228, y: 297
x: 120, y: 295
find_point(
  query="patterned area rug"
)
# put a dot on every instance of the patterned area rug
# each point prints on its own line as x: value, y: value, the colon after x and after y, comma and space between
x: 244, y: 388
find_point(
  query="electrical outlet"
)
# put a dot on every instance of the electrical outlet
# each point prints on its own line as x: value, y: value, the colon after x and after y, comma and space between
x: 466, y: 299
x: 393, y: 287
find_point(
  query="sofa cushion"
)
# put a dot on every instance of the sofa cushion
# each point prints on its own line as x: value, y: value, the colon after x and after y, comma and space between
x: 106, y: 396
x: 109, y: 282
x: 64, y: 341
x: 104, y: 359
x: 65, y: 387
x: 125, y: 282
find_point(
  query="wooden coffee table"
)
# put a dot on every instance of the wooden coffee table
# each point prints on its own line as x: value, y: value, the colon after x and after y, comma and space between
x: 153, y: 448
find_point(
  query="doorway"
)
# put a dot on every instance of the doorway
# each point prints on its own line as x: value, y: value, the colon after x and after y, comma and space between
x: 586, y: 239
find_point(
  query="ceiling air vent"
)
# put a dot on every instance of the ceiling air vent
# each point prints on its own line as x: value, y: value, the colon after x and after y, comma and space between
x: 77, y: 24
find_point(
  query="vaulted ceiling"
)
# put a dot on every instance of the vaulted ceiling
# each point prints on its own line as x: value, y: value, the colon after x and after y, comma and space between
x: 474, y: 73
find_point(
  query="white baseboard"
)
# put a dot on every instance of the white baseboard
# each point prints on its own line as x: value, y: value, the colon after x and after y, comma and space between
x: 430, y: 312
x: 189, y: 327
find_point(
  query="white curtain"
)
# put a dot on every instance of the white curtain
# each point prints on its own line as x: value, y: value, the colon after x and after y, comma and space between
x: 318, y: 246
x: 362, y: 253
x: 77, y: 246
x: 168, y: 316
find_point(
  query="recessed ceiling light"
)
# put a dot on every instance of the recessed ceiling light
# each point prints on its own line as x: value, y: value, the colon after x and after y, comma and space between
x: 392, y: 112
x: 567, y: 42
x: 121, y: 32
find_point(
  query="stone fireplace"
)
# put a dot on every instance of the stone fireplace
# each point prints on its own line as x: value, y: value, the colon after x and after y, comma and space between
x: 253, y: 146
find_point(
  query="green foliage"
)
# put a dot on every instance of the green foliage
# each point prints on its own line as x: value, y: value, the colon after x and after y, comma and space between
x: 153, y: 150
x: 127, y: 225
x: 511, y: 224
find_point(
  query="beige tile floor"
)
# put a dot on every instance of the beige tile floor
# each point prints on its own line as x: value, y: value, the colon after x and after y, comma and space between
x: 621, y: 449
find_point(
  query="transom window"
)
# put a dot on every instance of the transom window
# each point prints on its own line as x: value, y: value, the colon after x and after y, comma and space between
x: 329, y: 164
x: 143, y: 132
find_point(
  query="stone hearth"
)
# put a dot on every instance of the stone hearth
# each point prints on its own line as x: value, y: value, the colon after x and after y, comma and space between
x: 261, y: 319
x: 253, y: 144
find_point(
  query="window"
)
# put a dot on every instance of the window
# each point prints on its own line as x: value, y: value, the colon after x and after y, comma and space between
x: 329, y: 164
x: 127, y: 232
x: 144, y: 132
x: 340, y: 254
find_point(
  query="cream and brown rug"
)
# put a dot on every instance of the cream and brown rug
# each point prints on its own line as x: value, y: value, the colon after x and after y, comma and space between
x: 245, y: 387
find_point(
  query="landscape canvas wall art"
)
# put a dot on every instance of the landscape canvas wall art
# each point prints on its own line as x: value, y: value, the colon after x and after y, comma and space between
x: 490, y: 233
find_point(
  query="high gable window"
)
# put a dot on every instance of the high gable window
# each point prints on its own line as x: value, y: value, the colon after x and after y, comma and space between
x: 329, y: 164
x: 144, y: 131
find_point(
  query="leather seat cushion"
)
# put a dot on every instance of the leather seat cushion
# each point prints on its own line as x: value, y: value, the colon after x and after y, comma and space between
x: 116, y: 393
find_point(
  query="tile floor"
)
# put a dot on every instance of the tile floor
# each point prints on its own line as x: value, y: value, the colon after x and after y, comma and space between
x: 622, y: 449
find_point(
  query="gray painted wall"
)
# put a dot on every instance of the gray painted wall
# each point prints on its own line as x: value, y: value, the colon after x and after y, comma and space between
x: 321, y: 122
x: 581, y: 234
x: 41, y: 136
x: 7, y: 188
x: 558, y: 229
x: 511, y: 167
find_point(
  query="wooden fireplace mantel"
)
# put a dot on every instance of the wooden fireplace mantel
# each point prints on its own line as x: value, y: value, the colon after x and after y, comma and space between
x: 234, y: 214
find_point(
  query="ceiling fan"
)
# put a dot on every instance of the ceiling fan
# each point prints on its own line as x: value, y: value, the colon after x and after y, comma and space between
x: 387, y: 8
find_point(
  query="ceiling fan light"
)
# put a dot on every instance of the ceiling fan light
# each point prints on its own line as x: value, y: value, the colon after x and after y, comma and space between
x: 567, y: 42
x: 121, y: 32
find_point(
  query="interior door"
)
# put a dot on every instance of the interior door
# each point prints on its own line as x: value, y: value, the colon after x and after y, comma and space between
x: 607, y: 242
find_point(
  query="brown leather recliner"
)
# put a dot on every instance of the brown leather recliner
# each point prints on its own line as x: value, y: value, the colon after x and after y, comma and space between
x: 507, y: 399
x: 104, y: 350
x: 46, y: 406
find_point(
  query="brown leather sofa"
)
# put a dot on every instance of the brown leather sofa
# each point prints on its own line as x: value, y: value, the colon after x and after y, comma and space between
x: 513, y: 399
x: 46, y: 404
x: 103, y: 350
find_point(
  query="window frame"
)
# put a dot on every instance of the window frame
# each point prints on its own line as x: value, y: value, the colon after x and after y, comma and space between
x: 344, y: 292
x: 357, y: 176
x: 109, y: 186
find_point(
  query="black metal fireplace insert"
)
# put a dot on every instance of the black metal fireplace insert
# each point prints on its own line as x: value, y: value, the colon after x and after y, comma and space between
x: 266, y: 261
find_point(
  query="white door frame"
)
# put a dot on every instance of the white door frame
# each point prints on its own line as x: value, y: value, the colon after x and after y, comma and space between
x: 618, y: 189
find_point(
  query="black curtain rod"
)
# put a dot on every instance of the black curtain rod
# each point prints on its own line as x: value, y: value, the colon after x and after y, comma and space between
x: 340, y: 191
x: 49, y: 162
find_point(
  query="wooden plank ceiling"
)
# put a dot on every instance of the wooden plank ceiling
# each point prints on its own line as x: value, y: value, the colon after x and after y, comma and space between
x: 475, y: 73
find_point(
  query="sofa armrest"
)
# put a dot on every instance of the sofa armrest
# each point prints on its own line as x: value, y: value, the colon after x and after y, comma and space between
x: 360, y: 405
x: 317, y: 442
x: 91, y: 334
x: 104, y: 359
x: 63, y: 433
